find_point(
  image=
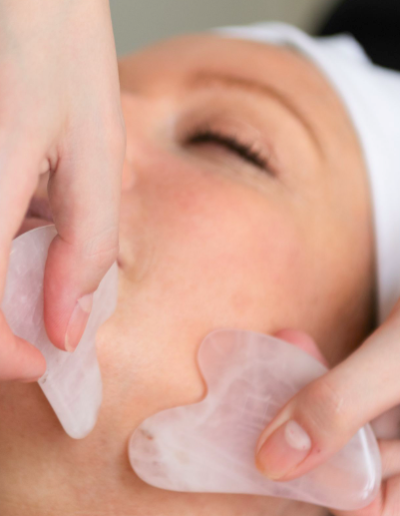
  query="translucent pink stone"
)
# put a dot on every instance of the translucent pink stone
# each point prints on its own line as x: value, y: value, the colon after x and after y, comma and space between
x: 72, y: 382
x: 210, y: 446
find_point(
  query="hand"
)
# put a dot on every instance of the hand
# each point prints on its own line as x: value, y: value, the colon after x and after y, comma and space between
x: 60, y: 111
x: 331, y: 409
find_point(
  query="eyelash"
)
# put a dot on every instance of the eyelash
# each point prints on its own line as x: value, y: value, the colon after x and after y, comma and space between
x: 242, y: 149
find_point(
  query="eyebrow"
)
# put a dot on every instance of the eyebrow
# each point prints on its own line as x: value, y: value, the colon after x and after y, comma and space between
x: 204, y: 78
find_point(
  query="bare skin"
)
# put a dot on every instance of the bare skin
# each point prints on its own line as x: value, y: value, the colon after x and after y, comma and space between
x: 60, y: 112
x: 210, y: 237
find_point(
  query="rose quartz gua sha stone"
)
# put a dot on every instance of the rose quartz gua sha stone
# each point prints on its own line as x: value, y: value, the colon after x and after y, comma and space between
x: 72, y: 382
x: 210, y: 446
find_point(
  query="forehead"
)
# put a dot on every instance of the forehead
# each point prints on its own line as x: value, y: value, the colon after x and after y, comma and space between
x: 166, y: 67
x: 179, y: 56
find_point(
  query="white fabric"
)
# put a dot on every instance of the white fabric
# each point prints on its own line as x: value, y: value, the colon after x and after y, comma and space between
x: 371, y: 95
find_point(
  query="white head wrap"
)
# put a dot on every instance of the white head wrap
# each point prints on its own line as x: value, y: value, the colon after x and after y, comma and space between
x: 371, y: 95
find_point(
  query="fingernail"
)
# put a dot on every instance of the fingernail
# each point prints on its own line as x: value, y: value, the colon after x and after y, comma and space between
x: 78, y: 321
x: 283, y: 450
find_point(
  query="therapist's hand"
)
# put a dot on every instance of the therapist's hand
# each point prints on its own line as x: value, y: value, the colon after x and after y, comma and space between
x: 329, y: 411
x: 59, y: 111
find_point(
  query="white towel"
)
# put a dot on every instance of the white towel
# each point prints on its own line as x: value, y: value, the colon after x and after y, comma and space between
x: 371, y: 95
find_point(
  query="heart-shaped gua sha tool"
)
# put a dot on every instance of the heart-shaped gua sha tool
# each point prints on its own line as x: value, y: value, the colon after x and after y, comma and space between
x: 210, y: 446
x: 72, y: 382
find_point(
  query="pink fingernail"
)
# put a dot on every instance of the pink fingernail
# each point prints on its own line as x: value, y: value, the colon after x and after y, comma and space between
x: 283, y: 450
x: 78, y: 321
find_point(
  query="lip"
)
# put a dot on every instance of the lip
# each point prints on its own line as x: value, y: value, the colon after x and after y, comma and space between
x: 303, y: 341
x: 37, y: 215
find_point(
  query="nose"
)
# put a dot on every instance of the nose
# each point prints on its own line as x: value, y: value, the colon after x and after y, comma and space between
x: 132, y: 110
x: 128, y: 173
x: 148, y: 122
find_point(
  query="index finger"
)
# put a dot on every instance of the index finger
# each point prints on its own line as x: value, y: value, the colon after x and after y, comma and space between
x: 331, y: 409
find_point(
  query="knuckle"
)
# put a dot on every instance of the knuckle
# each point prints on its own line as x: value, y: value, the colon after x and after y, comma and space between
x: 325, y: 408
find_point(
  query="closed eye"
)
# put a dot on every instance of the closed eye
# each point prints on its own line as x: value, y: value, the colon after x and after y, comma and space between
x: 244, y: 150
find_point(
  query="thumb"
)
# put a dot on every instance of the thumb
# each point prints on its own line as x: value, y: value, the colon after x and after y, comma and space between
x: 323, y: 417
x: 84, y: 195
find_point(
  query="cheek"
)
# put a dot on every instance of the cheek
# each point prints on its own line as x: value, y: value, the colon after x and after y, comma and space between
x: 230, y: 255
x: 200, y: 252
x: 217, y: 255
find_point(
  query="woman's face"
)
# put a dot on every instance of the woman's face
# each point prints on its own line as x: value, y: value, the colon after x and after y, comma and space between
x: 245, y: 205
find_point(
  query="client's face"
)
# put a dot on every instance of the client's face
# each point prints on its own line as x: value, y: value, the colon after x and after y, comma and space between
x: 245, y: 205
